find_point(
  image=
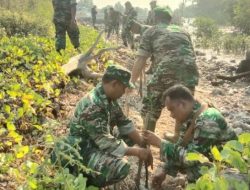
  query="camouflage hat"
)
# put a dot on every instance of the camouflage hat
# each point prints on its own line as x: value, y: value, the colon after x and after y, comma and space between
x: 165, y: 10
x: 119, y: 73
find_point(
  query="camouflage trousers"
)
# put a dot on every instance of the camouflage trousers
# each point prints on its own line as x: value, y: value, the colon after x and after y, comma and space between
x: 161, y: 80
x: 73, y: 33
x: 113, y: 28
x: 192, y: 172
x: 108, y: 169
x: 127, y: 37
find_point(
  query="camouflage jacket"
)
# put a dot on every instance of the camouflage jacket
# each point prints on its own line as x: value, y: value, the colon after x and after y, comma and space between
x: 151, y: 18
x: 210, y: 129
x: 93, y: 122
x: 172, y: 50
x: 129, y: 15
x: 62, y: 10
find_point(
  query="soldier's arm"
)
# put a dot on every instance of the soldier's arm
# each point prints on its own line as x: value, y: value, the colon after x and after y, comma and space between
x: 144, y: 52
x: 125, y: 125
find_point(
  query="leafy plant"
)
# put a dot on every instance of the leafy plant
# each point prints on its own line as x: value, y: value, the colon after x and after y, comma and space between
x: 230, y: 168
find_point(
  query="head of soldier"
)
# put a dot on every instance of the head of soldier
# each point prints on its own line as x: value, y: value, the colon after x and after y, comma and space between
x: 115, y: 81
x: 153, y: 4
x: 163, y: 15
x: 179, y: 101
x: 128, y: 5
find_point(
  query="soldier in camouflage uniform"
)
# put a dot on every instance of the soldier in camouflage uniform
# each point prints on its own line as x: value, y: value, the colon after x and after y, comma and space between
x: 209, y: 129
x: 151, y: 15
x: 64, y: 20
x: 174, y: 63
x: 106, y: 20
x: 91, y: 140
x: 114, y: 22
x: 129, y: 15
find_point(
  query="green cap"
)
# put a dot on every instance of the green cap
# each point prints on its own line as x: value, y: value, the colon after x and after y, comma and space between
x: 119, y: 73
x: 165, y: 10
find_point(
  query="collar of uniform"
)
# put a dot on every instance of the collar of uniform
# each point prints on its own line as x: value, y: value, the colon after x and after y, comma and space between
x: 162, y: 25
x: 99, y: 91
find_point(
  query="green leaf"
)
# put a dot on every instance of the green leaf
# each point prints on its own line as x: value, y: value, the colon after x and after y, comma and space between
x: 236, y: 145
x: 11, y: 126
x: 234, y: 159
x: 196, y: 157
x: 32, y: 183
x: 216, y: 153
x: 20, y: 112
x: 22, y: 151
x: 7, y: 109
x: 244, y: 138
x: 221, y: 184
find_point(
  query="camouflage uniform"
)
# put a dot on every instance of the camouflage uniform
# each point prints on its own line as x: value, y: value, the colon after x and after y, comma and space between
x: 62, y: 20
x: 127, y: 36
x: 210, y: 129
x: 113, y: 23
x: 151, y: 18
x: 174, y: 63
x: 91, y: 140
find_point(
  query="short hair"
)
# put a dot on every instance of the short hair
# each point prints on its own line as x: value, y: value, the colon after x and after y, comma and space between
x: 163, y: 17
x: 178, y: 92
x: 108, y: 78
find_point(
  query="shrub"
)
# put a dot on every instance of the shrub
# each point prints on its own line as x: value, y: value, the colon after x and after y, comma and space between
x: 23, y: 24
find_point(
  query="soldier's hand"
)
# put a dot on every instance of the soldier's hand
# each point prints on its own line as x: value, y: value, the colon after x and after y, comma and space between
x: 146, y: 155
x: 151, y: 138
x: 158, y: 179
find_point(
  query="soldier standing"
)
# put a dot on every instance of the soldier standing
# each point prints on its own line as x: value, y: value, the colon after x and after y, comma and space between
x: 93, y: 15
x: 64, y: 20
x: 106, y: 17
x: 129, y: 15
x: 114, y: 22
x: 174, y: 63
x: 92, y: 140
x: 151, y: 15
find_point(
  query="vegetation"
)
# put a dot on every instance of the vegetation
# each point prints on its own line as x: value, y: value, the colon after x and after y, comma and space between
x: 208, y: 35
x: 235, y: 155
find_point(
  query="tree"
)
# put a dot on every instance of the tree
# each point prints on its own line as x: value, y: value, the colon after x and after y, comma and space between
x: 241, y: 15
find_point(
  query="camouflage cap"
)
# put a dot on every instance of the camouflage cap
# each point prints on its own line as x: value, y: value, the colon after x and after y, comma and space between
x: 165, y: 10
x: 119, y: 73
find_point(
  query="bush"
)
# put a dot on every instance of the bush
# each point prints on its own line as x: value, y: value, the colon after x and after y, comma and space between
x: 230, y: 168
x: 23, y: 24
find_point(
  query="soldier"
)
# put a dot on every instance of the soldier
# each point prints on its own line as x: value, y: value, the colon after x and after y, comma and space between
x: 174, y: 63
x: 64, y: 20
x: 151, y: 16
x: 129, y: 15
x: 93, y: 15
x: 209, y: 129
x: 106, y: 17
x: 114, y: 22
x: 91, y: 140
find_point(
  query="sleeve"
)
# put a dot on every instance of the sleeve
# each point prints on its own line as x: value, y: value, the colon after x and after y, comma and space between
x: 95, y: 121
x: 206, y: 134
x: 145, y: 47
x: 125, y: 125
